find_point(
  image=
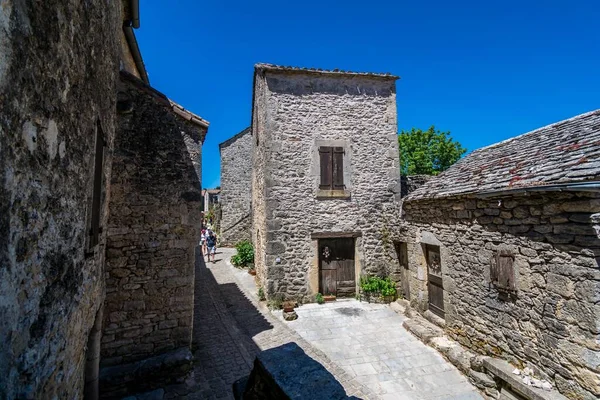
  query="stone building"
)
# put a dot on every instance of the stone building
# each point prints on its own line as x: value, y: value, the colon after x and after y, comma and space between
x: 502, y: 250
x: 59, y: 130
x: 153, y: 230
x: 236, y: 184
x: 325, y: 171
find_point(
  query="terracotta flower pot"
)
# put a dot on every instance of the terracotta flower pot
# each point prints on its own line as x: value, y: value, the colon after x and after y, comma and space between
x: 252, y: 271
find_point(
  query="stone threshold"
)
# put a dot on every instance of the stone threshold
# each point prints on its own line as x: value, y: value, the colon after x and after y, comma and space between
x: 492, y: 376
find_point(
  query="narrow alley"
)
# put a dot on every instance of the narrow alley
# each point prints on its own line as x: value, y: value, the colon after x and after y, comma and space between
x: 231, y: 326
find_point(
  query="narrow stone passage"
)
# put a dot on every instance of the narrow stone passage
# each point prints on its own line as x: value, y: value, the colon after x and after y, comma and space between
x: 230, y: 328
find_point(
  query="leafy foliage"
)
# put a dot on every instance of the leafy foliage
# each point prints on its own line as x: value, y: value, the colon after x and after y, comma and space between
x: 276, y: 302
x: 376, y: 285
x: 427, y: 152
x: 261, y: 294
x: 244, y: 254
x: 319, y: 298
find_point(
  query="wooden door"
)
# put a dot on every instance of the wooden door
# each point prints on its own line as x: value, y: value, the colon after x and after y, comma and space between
x: 336, y: 267
x: 434, y: 278
x: 402, y: 253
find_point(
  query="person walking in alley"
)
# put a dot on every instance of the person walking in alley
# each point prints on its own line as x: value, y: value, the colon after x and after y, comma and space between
x: 211, y: 243
x: 203, y: 242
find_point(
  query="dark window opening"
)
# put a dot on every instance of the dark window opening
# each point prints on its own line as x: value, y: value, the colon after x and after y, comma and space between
x: 402, y: 254
x: 95, y: 228
x: 332, y: 168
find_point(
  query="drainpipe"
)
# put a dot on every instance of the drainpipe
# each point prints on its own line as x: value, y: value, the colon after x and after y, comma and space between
x: 135, y: 50
x: 135, y: 13
x: 92, y: 359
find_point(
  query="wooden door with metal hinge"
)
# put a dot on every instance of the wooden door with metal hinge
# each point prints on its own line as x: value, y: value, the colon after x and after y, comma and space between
x: 336, y: 267
x: 434, y: 280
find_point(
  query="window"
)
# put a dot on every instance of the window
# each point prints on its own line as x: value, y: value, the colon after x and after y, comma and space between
x: 95, y: 228
x: 502, y: 273
x: 332, y: 168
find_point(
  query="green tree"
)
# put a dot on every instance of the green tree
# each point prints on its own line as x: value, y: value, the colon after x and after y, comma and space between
x: 427, y: 152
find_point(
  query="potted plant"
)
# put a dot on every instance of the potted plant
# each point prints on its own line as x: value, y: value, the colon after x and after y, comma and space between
x: 252, y: 271
x: 288, y: 305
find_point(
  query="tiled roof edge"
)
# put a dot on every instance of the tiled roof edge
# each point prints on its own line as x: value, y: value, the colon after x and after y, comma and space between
x: 177, y: 109
x: 564, y: 121
x: 318, y: 71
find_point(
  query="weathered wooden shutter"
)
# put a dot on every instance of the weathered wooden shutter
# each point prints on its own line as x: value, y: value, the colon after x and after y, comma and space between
x: 97, y: 188
x: 338, y: 168
x: 326, y: 159
x: 502, y: 272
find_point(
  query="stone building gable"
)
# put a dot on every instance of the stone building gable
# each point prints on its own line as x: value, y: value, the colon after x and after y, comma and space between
x: 298, y: 113
x: 560, y: 153
x: 153, y: 232
x: 236, y: 185
x: 549, y: 317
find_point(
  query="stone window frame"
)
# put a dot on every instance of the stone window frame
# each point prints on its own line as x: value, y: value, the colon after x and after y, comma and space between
x: 322, y: 194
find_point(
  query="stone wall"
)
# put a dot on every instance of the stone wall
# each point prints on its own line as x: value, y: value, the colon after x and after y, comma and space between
x: 236, y: 185
x: 553, y: 320
x: 260, y: 173
x: 412, y: 182
x: 58, y: 65
x: 153, y: 232
x: 301, y: 112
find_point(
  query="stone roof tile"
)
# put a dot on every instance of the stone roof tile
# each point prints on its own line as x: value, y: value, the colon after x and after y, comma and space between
x: 565, y: 152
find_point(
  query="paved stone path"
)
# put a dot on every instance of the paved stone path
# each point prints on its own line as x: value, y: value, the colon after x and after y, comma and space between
x: 363, y: 346
x: 230, y: 327
x: 371, y: 345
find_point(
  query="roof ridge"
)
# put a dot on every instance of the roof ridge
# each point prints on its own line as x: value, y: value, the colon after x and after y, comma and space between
x: 319, y: 71
x: 234, y: 137
x: 564, y: 121
x: 564, y: 152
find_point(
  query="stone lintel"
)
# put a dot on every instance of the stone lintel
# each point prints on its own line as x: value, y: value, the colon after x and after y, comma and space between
x: 326, y: 235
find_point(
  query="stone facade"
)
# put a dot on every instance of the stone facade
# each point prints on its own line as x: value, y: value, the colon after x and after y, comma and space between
x: 295, y: 112
x: 153, y: 232
x: 516, y: 226
x: 552, y: 321
x: 58, y: 70
x: 236, y: 197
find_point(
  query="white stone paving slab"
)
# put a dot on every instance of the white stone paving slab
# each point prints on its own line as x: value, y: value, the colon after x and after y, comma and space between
x: 370, y: 344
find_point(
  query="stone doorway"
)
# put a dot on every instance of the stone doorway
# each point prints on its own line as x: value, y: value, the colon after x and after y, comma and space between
x: 337, y: 275
x: 434, y: 280
x: 402, y: 254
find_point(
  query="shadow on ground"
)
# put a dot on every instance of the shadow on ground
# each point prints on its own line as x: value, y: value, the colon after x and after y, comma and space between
x: 287, y: 372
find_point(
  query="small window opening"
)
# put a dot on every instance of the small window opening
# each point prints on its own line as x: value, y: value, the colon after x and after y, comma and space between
x: 502, y: 272
x: 332, y: 168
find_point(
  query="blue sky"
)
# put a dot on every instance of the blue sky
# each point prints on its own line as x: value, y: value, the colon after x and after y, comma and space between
x: 484, y: 70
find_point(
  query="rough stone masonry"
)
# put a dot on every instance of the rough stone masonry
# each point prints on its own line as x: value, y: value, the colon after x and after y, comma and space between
x: 517, y: 229
x: 236, y: 184
x: 153, y: 233
x: 58, y: 71
x: 295, y: 112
